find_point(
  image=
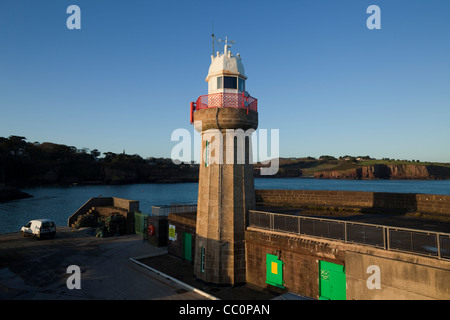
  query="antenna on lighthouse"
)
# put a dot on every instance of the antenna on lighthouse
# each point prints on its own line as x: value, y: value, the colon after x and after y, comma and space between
x: 213, y: 43
x: 213, y: 37
x: 227, y: 42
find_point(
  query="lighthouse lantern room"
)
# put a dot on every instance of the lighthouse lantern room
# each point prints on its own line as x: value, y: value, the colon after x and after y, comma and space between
x: 226, y: 73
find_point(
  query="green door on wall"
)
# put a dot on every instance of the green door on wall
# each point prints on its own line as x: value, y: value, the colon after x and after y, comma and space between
x: 332, y: 281
x: 274, y: 271
x: 187, y: 246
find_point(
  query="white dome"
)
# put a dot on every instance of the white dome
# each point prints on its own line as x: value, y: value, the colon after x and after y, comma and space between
x: 226, y: 64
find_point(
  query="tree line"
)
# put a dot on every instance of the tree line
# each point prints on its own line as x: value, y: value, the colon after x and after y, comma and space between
x: 33, y: 163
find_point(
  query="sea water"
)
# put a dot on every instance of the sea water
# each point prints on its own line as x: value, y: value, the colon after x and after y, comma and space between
x: 59, y: 203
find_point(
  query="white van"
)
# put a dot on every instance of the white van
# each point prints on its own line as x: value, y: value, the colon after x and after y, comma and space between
x: 39, y: 228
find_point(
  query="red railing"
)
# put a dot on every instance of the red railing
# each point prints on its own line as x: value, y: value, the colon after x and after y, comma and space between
x: 226, y: 100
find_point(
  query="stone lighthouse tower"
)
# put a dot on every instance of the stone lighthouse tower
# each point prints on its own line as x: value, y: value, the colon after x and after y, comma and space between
x: 225, y: 117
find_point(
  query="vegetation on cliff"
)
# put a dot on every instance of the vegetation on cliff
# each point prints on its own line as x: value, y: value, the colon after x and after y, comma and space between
x: 24, y: 163
x: 361, y: 167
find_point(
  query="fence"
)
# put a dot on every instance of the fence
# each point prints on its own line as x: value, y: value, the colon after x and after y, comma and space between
x: 433, y: 244
x: 160, y: 211
x: 226, y: 100
x: 164, y: 210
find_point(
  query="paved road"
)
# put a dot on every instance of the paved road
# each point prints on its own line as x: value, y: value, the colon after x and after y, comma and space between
x: 37, y: 269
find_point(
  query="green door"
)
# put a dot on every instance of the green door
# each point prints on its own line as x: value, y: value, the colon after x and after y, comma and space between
x: 187, y: 246
x: 139, y: 223
x: 332, y: 281
x: 274, y: 271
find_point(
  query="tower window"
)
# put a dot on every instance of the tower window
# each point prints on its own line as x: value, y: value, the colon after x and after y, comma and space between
x: 219, y: 82
x: 230, y: 82
x: 241, y: 84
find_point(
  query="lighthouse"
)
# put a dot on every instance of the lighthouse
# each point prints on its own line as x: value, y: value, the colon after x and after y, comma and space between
x: 225, y: 118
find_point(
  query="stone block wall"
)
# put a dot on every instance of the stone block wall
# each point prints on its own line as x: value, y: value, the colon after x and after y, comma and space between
x: 128, y: 205
x: 400, y: 202
x: 401, y: 276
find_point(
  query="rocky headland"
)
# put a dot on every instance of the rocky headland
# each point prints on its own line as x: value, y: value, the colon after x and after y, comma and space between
x: 10, y: 193
x: 388, y: 171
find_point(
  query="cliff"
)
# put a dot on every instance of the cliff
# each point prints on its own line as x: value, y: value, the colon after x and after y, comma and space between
x: 388, y: 171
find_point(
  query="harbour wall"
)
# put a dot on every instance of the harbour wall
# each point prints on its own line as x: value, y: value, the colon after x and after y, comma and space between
x: 399, y: 202
x: 402, y: 276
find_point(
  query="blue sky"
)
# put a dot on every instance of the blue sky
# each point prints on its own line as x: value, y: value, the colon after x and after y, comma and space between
x: 327, y: 82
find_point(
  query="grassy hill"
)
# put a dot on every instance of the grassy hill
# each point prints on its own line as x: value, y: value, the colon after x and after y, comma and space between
x: 352, y: 168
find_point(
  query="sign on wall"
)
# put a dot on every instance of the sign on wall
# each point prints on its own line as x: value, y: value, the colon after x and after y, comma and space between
x: 172, y: 233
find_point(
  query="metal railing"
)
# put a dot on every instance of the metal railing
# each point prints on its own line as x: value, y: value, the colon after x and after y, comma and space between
x: 226, y: 100
x: 182, y: 208
x: 428, y: 243
x: 164, y: 210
